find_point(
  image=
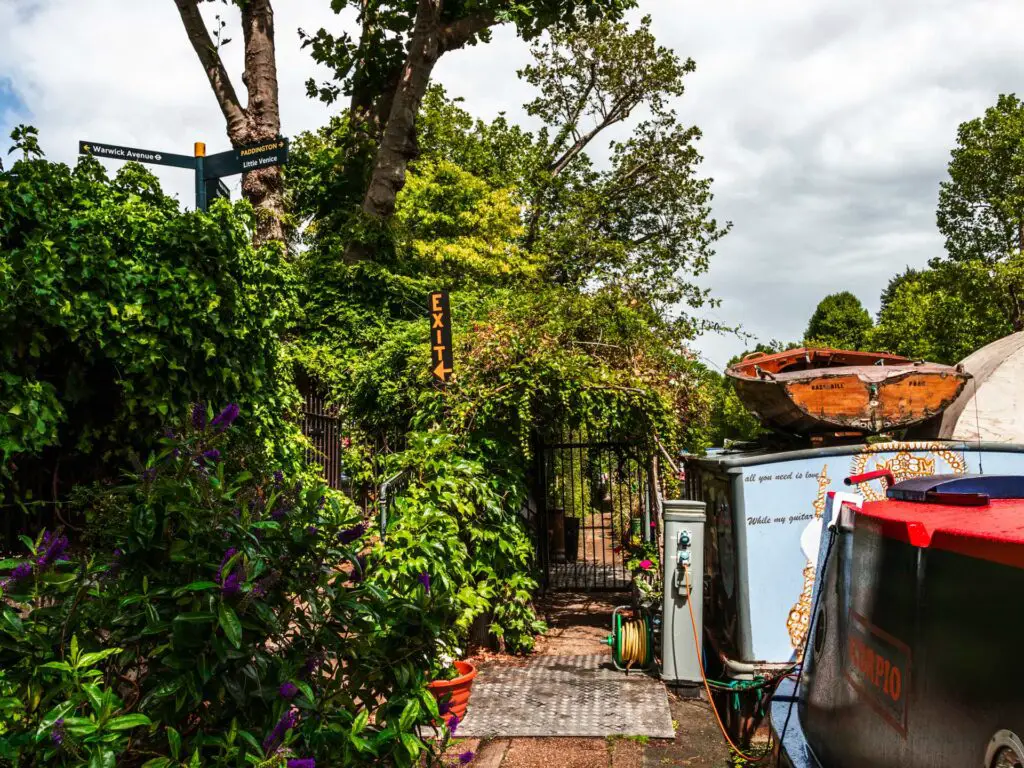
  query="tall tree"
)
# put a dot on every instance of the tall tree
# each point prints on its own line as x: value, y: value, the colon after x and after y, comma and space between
x: 387, y: 70
x: 839, y: 320
x: 943, y: 313
x: 644, y: 223
x: 981, y: 206
x: 260, y: 118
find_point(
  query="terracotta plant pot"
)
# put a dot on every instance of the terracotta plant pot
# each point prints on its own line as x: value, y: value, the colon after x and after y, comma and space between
x: 457, y: 690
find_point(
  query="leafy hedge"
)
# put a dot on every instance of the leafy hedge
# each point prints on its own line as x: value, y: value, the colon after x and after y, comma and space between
x: 117, y: 310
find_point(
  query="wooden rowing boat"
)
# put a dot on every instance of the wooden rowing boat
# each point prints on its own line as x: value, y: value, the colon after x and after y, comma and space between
x: 821, y: 390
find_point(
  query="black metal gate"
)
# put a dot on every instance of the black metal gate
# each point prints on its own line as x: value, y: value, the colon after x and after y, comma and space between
x: 592, y: 502
x: 322, y: 424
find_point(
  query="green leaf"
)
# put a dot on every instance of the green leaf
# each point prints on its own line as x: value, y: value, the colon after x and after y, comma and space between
x: 412, y: 745
x: 63, y: 666
x: 231, y: 625
x: 55, y: 714
x: 12, y: 620
x: 306, y: 689
x: 195, y: 586
x: 409, y: 714
x: 96, y: 697
x: 158, y: 762
x: 359, y: 724
x: 89, y: 659
x: 251, y: 740
x: 174, y: 742
x: 196, y: 617
x: 125, y: 722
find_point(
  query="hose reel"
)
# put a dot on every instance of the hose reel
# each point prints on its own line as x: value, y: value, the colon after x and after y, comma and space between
x: 631, y: 640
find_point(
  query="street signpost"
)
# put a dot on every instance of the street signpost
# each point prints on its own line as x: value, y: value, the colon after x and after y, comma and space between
x: 247, y: 158
x: 115, y: 152
x: 442, y: 360
x: 208, y: 170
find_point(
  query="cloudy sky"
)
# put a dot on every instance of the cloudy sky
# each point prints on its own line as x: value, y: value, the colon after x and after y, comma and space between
x: 827, y: 125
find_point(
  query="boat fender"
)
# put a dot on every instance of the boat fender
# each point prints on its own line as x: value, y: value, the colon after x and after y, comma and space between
x: 842, y: 507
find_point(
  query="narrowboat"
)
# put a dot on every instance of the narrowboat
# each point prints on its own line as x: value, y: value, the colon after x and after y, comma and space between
x: 911, y: 658
x: 809, y: 391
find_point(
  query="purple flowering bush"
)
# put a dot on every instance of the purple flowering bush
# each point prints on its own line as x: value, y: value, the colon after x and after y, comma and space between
x: 212, y: 612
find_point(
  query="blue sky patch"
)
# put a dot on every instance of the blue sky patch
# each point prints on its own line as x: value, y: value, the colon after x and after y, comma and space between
x: 12, y: 111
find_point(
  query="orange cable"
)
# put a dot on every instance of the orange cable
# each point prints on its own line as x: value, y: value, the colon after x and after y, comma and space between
x: 711, y: 701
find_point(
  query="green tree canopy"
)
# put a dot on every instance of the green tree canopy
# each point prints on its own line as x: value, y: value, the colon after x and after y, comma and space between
x: 943, y: 313
x: 839, y: 320
x: 981, y: 205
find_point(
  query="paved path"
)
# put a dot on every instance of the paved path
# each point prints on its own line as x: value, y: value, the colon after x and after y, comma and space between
x: 578, y: 623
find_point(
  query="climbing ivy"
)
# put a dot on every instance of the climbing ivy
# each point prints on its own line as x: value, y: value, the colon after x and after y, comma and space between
x: 118, y: 309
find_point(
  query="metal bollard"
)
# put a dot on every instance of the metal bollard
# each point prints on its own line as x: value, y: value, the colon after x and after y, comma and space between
x: 683, y: 556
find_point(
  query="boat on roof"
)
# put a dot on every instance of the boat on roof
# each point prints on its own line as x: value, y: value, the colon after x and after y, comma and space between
x: 819, y: 390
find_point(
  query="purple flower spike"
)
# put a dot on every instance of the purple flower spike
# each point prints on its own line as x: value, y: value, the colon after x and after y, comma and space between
x: 54, y: 550
x: 232, y: 585
x: 57, y: 733
x: 313, y: 663
x: 302, y: 762
x: 213, y: 454
x: 20, y: 573
x: 453, y: 723
x: 288, y: 721
x: 280, y: 512
x: 278, y: 477
x: 288, y: 690
x: 199, y: 416
x: 148, y: 474
x: 444, y: 707
x: 226, y: 418
x: 311, y: 530
x: 351, y: 534
x: 466, y: 757
x: 424, y: 579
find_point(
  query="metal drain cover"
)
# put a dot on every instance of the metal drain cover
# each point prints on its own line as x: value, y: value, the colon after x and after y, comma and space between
x: 566, y: 696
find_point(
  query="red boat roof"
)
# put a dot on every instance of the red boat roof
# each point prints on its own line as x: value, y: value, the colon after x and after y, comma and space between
x: 993, y: 532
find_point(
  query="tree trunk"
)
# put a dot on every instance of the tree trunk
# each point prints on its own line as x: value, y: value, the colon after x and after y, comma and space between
x: 398, y: 144
x: 260, y: 119
x: 264, y: 188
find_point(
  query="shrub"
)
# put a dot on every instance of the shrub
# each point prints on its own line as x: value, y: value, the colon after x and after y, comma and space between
x: 215, y: 613
x: 461, y: 522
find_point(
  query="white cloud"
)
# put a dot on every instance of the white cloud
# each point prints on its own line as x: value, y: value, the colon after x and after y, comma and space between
x: 827, y: 126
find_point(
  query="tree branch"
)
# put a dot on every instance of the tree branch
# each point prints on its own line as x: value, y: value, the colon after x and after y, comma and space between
x: 210, y: 59
x: 456, y: 34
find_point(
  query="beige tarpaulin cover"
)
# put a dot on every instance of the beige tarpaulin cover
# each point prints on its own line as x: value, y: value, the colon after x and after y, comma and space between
x: 991, y: 407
